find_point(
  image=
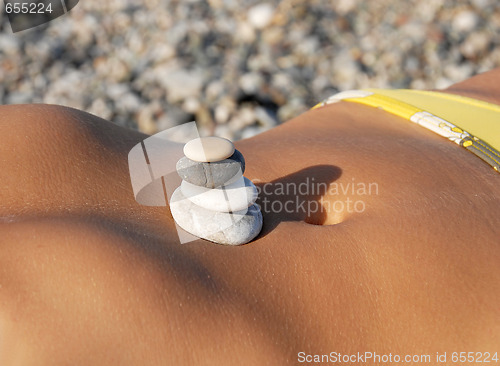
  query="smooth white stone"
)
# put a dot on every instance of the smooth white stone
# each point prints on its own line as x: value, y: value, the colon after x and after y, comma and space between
x: 228, y: 198
x: 220, y: 227
x: 208, y: 149
x: 260, y: 15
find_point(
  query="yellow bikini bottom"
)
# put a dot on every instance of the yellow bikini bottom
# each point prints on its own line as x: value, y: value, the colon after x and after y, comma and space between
x: 471, y: 123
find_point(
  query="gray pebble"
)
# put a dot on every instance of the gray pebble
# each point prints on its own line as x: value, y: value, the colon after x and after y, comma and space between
x: 211, y: 175
x: 219, y: 227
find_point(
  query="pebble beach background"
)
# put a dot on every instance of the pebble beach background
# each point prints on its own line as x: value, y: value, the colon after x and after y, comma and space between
x: 240, y: 67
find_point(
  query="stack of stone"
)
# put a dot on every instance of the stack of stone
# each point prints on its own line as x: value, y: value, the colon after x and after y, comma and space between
x: 215, y: 201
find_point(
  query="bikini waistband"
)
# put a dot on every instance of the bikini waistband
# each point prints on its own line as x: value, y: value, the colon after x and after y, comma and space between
x: 475, y: 126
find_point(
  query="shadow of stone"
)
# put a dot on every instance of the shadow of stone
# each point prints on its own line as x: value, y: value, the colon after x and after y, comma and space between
x: 296, y: 197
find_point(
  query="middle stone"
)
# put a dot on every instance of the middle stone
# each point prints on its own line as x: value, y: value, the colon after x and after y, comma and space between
x: 228, y: 198
x: 212, y: 175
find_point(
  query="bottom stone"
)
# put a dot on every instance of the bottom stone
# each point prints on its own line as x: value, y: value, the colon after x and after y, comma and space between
x: 229, y: 228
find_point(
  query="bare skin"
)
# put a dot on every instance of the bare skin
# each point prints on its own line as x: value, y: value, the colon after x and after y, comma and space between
x: 89, y: 277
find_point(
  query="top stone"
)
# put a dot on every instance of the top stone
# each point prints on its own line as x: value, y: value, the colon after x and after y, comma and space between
x: 208, y: 149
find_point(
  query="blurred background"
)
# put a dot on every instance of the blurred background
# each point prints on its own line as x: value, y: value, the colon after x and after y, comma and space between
x: 240, y: 67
